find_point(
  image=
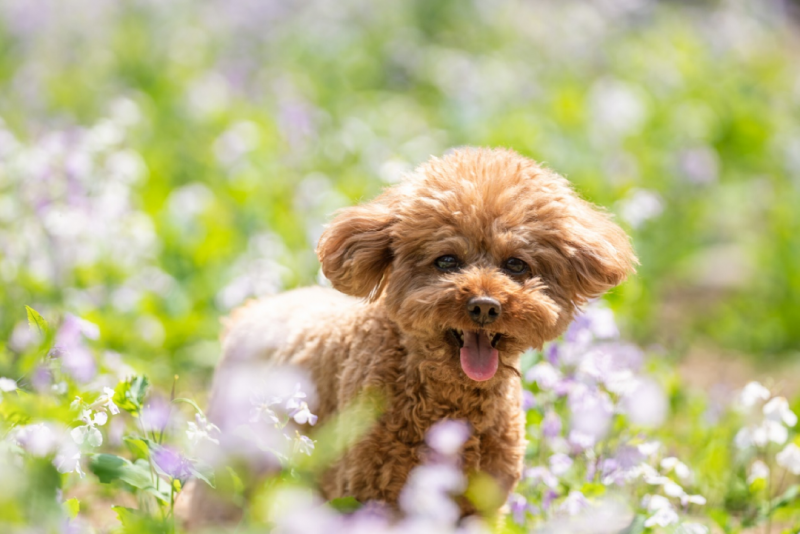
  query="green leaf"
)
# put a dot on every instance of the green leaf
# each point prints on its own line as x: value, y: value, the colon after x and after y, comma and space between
x: 72, y: 507
x: 636, y: 526
x: 36, y: 321
x: 109, y: 468
x: 345, y: 504
x: 138, y: 446
x: 129, y: 395
x: 788, y: 496
x: 135, y: 522
x: 203, y: 471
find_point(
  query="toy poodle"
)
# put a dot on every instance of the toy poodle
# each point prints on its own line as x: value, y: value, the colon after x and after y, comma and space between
x: 440, y: 283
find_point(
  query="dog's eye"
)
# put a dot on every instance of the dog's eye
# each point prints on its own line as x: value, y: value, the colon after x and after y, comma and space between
x: 515, y: 266
x: 447, y: 263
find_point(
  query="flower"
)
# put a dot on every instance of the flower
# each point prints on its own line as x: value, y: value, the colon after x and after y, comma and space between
x: 762, y: 434
x: 673, y: 464
x: 663, y: 517
x: 789, y: 458
x: 202, y: 430
x: 107, y: 400
x: 448, y: 436
x: 655, y: 502
x: 544, y: 374
x: 758, y: 471
x: 40, y: 439
x: 302, y: 414
x: 574, y: 503
x: 560, y: 464
x: 777, y: 409
x: 427, y: 493
x: 304, y: 444
x: 88, y: 433
x: 8, y: 385
x: 752, y: 393
x: 172, y: 463
x: 68, y: 459
x: 551, y: 425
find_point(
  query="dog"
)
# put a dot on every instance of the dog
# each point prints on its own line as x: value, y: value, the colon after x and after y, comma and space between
x: 439, y: 285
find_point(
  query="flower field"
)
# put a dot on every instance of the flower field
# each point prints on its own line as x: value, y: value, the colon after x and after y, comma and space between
x: 162, y: 162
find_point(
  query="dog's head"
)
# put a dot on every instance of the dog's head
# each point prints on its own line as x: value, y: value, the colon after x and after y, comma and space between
x: 483, y: 251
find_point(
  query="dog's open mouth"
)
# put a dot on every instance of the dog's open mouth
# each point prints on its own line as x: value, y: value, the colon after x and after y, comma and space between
x: 478, y: 352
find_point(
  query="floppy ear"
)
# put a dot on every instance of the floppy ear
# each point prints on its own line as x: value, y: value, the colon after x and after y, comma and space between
x: 355, y: 249
x: 599, y: 252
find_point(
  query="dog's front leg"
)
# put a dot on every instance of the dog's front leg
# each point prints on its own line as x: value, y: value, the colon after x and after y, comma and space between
x: 503, y: 452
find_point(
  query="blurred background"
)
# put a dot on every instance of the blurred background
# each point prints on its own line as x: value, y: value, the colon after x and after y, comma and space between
x: 162, y: 161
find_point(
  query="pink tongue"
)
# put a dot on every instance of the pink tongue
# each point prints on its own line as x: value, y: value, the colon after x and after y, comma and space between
x: 478, y: 358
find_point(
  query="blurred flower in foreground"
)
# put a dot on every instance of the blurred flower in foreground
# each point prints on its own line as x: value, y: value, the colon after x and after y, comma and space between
x: 789, y: 458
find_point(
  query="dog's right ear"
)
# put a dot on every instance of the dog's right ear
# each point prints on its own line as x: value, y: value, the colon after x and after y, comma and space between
x: 355, y: 249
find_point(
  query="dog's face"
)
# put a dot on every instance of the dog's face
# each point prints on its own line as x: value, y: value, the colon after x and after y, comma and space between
x: 482, y: 252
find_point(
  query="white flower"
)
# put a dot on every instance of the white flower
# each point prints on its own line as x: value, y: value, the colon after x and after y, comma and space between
x: 752, y: 393
x: 68, y: 460
x: 693, y: 499
x: 648, y: 448
x: 777, y: 409
x: 762, y: 434
x: 671, y: 463
x: 655, y: 502
x: 544, y: 374
x: 663, y: 517
x: 560, y: 464
x: 8, y: 384
x: 88, y: 433
x: 262, y: 407
x: 758, y: 470
x: 303, y: 415
x: 789, y: 458
x: 107, y: 400
x: 304, y: 444
x: 672, y: 489
x: 201, y: 430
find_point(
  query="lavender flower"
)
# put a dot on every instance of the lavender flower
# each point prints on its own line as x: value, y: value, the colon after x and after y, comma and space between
x: 172, y: 463
x: 448, y: 436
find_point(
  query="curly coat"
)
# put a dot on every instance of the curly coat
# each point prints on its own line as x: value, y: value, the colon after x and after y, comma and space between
x: 403, y: 336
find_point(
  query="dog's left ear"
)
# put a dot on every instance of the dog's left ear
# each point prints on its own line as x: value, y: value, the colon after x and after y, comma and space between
x: 599, y: 252
x: 355, y: 249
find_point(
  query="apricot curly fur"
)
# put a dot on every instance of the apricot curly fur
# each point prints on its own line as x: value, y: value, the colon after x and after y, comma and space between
x: 482, y: 206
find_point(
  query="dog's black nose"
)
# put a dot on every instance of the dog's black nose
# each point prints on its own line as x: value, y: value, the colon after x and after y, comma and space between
x: 484, y: 310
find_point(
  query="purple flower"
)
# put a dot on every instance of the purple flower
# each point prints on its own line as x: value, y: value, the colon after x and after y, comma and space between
x: 69, y: 345
x: 528, y: 400
x: 551, y: 425
x: 172, y: 463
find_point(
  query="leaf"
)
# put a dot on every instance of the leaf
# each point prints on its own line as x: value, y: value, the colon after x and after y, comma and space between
x: 636, y: 526
x: 109, y: 468
x: 138, y: 446
x: 788, y: 496
x: 71, y: 508
x: 345, y: 504
x: 129, y: 395
x: 36, y: 321
x: 135, y: 522
x: 203, y: 471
